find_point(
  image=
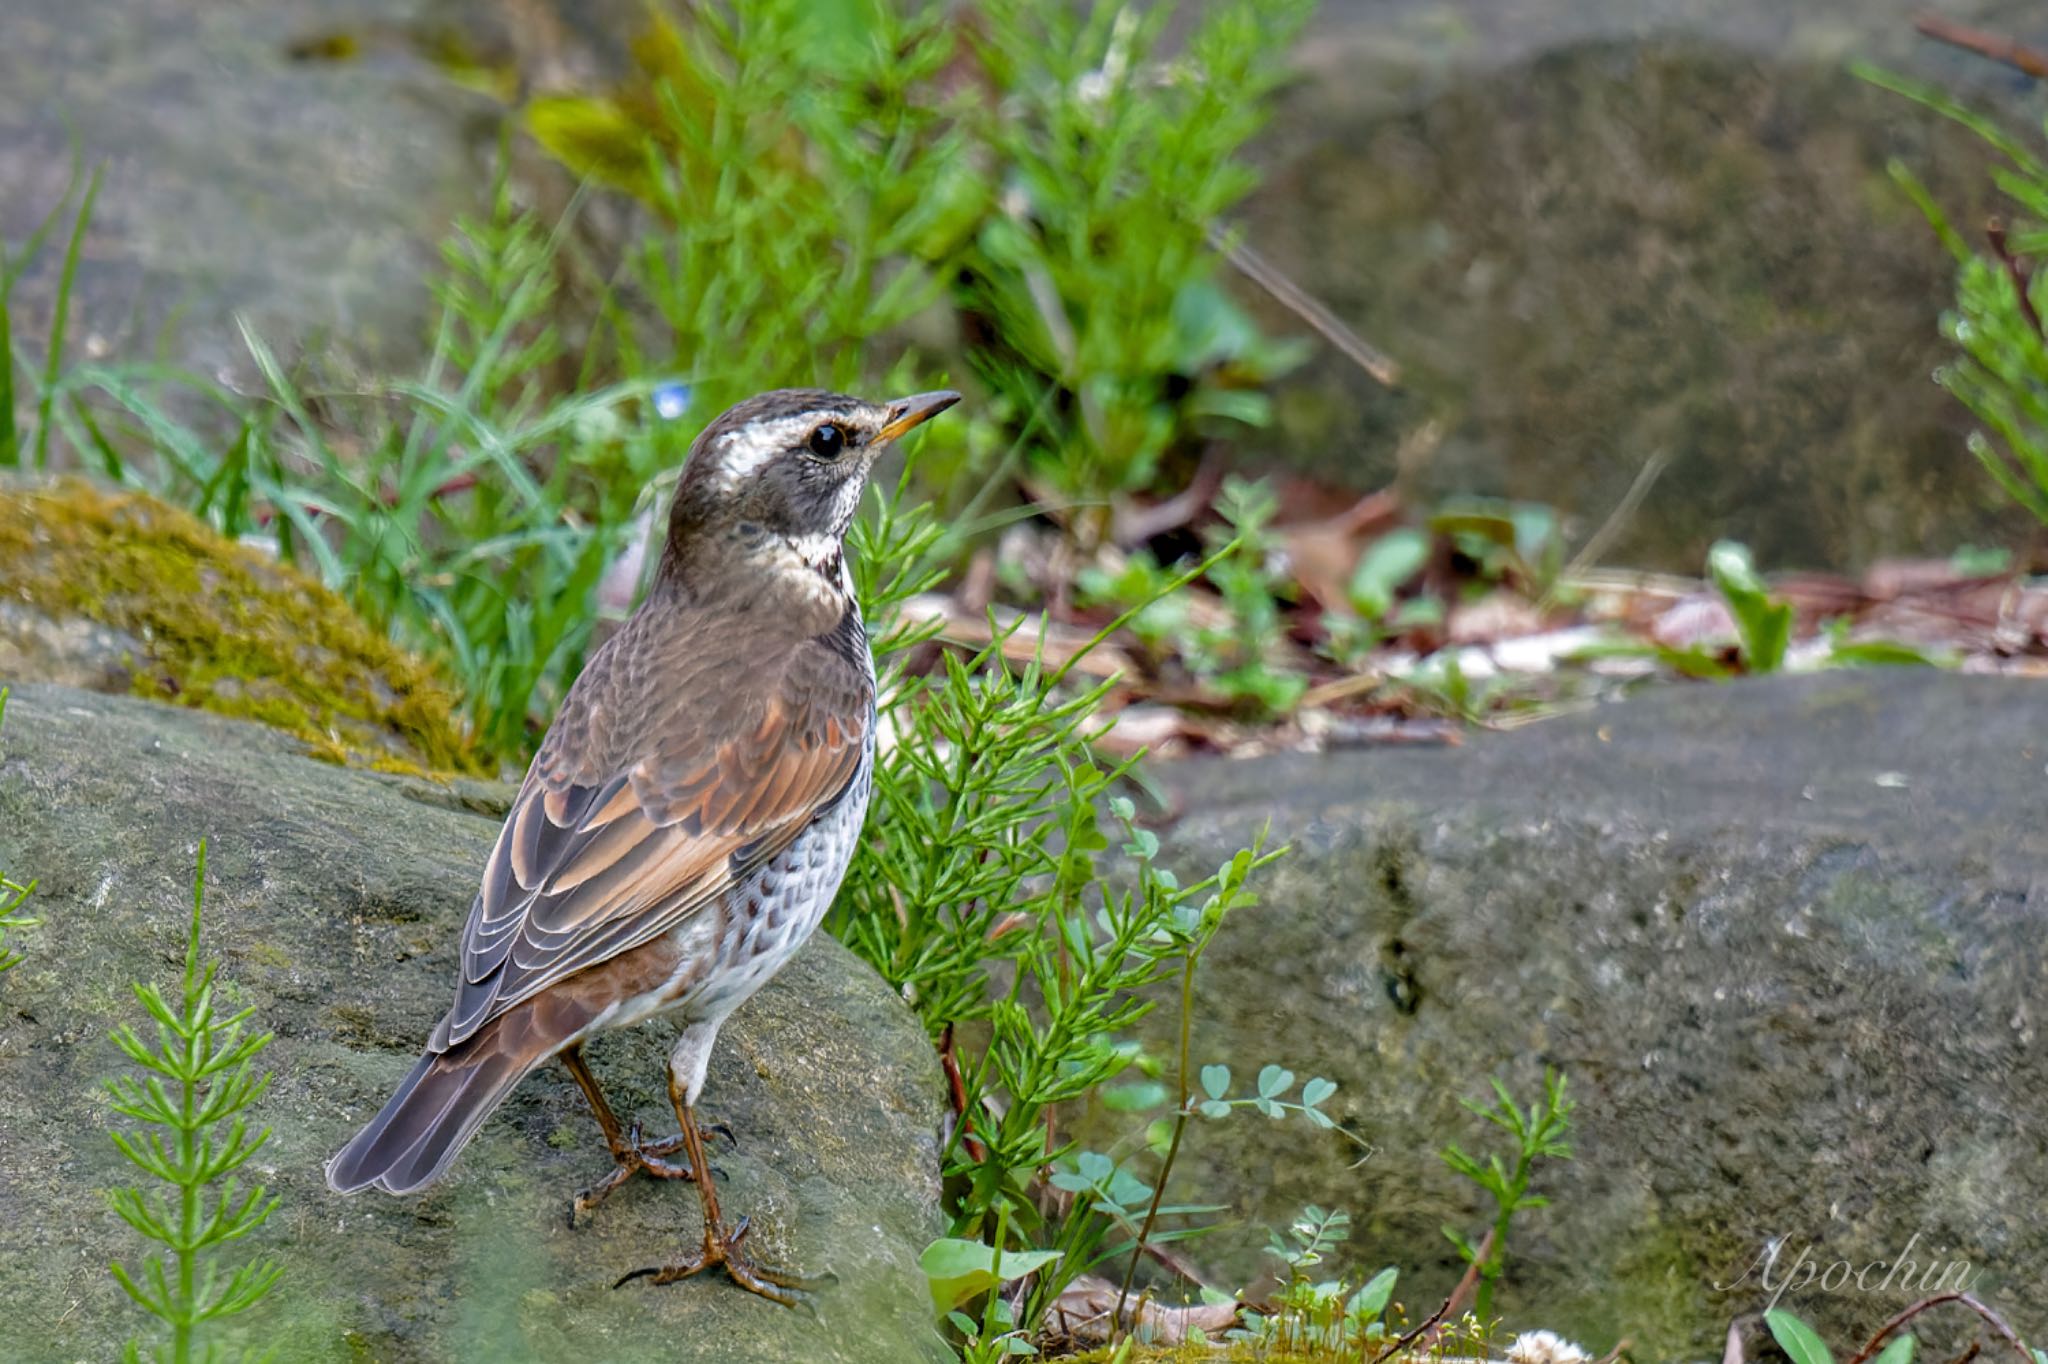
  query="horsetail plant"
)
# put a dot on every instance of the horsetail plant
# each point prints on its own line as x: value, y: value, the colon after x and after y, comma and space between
x: 1539, y: 1134
x: 12, y: 895
x: 201, y: 1079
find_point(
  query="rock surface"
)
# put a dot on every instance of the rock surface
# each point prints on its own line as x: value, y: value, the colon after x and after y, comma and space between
x: 334, y: 900
x: 294, y: 162
x: 1785, y: 937
x: 244, y: 171
x: 1595, y: 231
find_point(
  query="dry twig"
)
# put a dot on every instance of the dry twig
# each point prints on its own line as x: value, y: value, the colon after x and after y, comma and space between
x: 1984, y: 43
x: 1056, y: 645
x: 1133, y: 526
x: 1298, y: 301
x: 1466, y: 1287
x: 2016, y: 270
x: 1598, y: 542
x: 957, y: 1084
x: 1996, y: 1322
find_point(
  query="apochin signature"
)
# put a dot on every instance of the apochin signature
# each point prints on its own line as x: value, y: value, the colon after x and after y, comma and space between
x: 1901, y: 1274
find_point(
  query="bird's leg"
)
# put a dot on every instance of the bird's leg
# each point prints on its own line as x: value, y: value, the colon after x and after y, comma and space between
x: 630, y: 1155
x: 721, y: 1246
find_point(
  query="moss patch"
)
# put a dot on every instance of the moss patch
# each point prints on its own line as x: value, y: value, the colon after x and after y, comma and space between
x: 223, y: 627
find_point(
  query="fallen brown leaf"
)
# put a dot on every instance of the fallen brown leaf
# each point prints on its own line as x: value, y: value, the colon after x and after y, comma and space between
x: 1080, y: 1317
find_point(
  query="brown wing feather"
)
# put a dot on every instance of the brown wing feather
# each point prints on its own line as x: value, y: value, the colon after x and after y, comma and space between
x: 674, y: 766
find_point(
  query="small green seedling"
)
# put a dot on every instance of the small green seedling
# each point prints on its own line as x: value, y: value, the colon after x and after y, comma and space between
x: 1539, y: 1133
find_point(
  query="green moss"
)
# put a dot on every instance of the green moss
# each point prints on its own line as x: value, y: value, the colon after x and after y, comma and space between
x: 225, y: 628
x: 268, y: 954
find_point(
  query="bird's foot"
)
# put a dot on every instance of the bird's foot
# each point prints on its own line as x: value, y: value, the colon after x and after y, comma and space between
x: 632, y: 1156
x: 724, y: 1248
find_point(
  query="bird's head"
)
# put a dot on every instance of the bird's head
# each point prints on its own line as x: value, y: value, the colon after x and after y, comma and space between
x: 790, y: 465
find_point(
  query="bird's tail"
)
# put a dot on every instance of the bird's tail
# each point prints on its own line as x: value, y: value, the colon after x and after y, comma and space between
x: 446, y: 1097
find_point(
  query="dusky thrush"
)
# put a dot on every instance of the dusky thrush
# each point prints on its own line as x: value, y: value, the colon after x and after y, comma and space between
x: 688, y: 817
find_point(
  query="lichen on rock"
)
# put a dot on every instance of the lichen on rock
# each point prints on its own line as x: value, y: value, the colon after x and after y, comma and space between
x: 113, y: 589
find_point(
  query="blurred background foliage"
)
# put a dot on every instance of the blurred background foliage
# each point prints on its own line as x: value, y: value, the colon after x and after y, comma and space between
x: 866, y: 194
x: 1033, y: 193
x: 1038, y: 203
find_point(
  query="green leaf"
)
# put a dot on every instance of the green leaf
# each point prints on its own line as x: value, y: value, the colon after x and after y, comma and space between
x: 1236, y: 404
x: 1317, y: 1090
x: 1902, y: 1349
x: 1378, y: 1291
x: 1801, y: 1344
x: 1417, y: 613
x: 1214, y: 1108
x: 1384, y: 569
x: 1216, y: 1081
x: 1127, y: 1190
x: 1465, y: 1247
x: 1463, y: 1164
x: 958, y: 1270
x: 1879, y: 653
x: 1763, y: 622
x: 1979, y: 561
x: 1275, y: 1081
x: 1135, y: 1097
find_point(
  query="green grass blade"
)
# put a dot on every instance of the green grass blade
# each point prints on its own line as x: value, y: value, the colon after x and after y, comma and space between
x: 53, y: 363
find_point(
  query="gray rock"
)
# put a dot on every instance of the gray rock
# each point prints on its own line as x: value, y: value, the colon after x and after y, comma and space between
x: 334, y: 899
x: 74, y: 652
x: 243, y: 174
x: 296, y: 162
x: 1784, y: 937
x: 1597, y: 230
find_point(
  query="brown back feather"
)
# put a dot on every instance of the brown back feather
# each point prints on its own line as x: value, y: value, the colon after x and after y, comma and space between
x: 698, y: 743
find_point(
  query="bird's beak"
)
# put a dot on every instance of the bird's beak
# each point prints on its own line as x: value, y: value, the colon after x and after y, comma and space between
x: 913, y: 411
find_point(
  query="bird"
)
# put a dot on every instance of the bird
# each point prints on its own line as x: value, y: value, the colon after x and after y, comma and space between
x: 686, y: 820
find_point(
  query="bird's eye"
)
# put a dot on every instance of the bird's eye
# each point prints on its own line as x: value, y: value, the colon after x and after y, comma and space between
x: 828, y: 441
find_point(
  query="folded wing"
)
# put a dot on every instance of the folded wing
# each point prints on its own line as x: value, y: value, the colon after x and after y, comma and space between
x: 652, y: 794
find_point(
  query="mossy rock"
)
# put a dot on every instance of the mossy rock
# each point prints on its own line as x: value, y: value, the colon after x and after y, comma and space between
x: 114, y: 590
x: 334, y: 902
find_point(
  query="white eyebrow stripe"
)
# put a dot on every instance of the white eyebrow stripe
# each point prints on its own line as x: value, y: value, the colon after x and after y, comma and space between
x: 747, y: 451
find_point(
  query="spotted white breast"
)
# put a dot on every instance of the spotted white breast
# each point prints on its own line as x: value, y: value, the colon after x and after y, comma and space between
x: 773, y: 912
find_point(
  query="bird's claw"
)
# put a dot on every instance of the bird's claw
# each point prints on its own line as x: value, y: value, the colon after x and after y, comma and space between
x: 634, y: 1157
x: 724, y: 1248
